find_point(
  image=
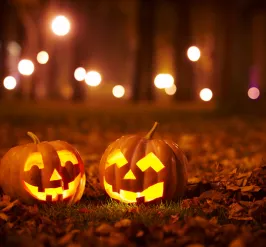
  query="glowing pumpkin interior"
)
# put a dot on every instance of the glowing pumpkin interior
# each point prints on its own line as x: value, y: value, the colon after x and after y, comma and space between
x: 61, y: 187
x: 149, y: 194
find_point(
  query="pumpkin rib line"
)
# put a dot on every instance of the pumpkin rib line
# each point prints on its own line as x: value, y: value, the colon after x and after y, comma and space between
x: 140, y: 141
x: 154, y: 148
x: 179, y: 162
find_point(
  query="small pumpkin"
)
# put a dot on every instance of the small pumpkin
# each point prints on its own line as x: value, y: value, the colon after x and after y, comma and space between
x: 142, y: 169
x: 43, y: 171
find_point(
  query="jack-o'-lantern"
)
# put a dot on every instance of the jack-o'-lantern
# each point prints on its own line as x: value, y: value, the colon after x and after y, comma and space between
x: 141, y: 169
x: 43, y: 171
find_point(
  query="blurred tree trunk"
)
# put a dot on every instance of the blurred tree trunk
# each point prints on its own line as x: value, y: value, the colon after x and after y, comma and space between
x: 52, y: 90
x: 79, y: 51
x: 36, y: 77
x: 143, y: 88
x: 3, y: 44
x: 235, y: 35
x: 29, y: 13
x: 258, y: 11
x: 184, y: 73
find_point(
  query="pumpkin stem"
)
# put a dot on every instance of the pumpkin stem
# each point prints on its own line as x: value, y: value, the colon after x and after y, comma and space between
x: 152, y: 131
x: 33, y: 137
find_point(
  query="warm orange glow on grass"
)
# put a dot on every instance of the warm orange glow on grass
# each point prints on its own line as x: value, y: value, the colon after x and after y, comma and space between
x: 10, y: 82
x: 206, y: 94
x: 193, y: 53
x: 42, y: 57
x: 253, y: 93
x: 164, y: 81
x: 61, y: 25
x: 26, y: 67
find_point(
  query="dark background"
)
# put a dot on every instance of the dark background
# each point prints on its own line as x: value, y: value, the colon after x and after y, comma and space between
x: 131, y: 41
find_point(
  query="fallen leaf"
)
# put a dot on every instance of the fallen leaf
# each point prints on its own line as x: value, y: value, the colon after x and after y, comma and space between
x: 140, y: 234
x: 3, y: 216
x: 104, y: 229
x: 232, y: 187
x: 123, y: 223
x: 212, y: 194
x: 241, y: 218
x: 67, y: 237
x: 194, y: 180
x: 237, y: 243
x: 174, y: 218
x: 10, y: 206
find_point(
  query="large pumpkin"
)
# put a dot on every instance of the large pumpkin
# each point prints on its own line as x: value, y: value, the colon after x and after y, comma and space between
x: 142, y: 169
x: 43, y: 171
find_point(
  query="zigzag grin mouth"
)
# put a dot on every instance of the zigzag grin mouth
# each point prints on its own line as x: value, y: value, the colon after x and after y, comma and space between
x: 53, y: 194
x: 151, y: 193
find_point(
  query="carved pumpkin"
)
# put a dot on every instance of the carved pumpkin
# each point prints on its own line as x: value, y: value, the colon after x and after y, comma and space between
x: 142, y: 169
x: 43, y: 171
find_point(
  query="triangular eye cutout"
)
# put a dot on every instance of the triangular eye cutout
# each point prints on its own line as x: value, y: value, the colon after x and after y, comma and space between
x: 55, y: 176
x: 129, y: 175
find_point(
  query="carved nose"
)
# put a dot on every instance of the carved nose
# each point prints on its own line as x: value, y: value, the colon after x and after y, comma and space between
x: 129, y: 175
x: 55, y: 176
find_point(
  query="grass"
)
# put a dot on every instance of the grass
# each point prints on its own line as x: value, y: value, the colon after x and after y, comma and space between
x: 87, y: 213
x: 110, y: 211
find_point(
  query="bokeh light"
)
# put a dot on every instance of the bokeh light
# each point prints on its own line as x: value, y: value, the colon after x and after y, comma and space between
x: 80, y: 74
x: 93, y: 78
x: 253, y: 93
x: 163, y: 81
x: 118, y: 91
x: 13, y: 48
x: 61, y: 25
x: 206, y: 94
x: 170, y: 90
x: 193, y: 53
x: 10, y: 82
x: 25, y: 67
x: 42, y: 57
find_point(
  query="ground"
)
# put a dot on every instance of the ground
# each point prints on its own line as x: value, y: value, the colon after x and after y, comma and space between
x: 224, y: 204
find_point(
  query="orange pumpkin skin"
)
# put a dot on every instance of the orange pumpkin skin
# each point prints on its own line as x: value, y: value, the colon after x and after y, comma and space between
x: 43, y: 171
x: 133, y: 163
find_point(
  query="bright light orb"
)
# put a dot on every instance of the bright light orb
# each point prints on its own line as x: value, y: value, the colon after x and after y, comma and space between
x: 42, y: 57
x: 193, y: 53
x: 170, y: 90
x: 93, y: 78
x: 253, y: 93
x: 206, y: 94
x: 163, y: 81
x: 80, y: 74
x: 25, y: 67
x: 10, y: 82
x: 118, y: 91
x: 61, y: 25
